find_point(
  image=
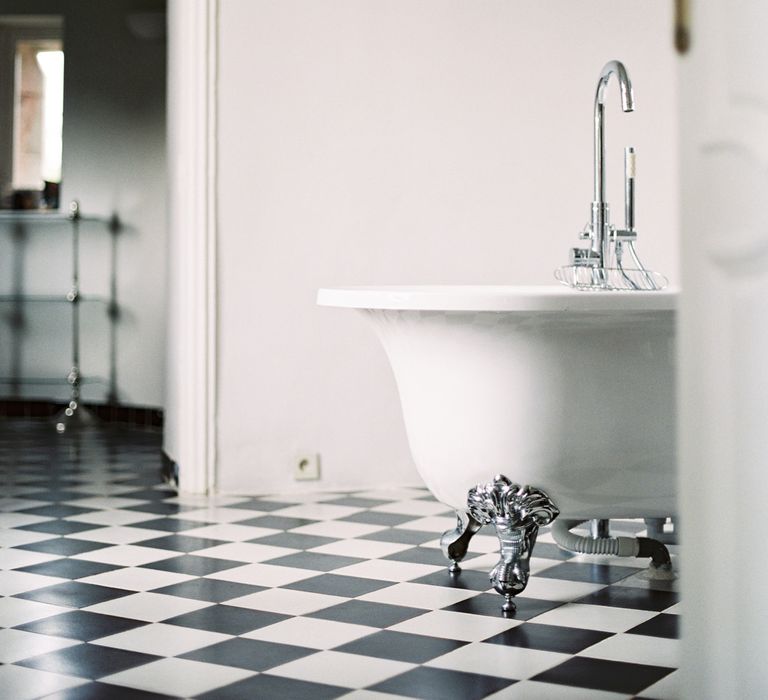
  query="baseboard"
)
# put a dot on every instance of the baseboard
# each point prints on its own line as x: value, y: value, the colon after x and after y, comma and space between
x: 136, y: 416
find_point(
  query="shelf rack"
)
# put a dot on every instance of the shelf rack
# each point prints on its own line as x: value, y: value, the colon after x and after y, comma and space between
x: 74, y: 413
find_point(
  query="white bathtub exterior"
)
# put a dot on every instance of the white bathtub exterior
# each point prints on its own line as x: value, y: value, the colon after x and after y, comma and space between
x: 572, y: 392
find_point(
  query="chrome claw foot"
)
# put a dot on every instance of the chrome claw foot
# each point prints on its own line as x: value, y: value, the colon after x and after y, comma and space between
x: 455, y: 543
x: 516, y: 512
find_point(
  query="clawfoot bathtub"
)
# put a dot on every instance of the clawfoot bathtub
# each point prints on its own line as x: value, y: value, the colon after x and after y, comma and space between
x: 569, y: 394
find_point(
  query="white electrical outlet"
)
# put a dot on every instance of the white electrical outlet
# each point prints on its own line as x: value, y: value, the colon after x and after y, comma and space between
x: 306, y: 466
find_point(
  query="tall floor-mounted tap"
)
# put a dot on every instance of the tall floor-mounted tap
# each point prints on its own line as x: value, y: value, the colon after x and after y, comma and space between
x: 601, y: 265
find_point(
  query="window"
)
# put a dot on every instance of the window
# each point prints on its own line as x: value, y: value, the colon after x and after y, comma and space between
x: 31, y: 107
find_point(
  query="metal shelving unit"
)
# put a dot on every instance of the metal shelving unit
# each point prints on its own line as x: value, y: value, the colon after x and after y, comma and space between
x: 74, y: 413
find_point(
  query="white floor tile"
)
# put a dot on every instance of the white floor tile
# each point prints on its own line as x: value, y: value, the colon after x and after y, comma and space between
x: 230, y: 531
x: 20, y: 683
x: 263, y: 574
x: 150, y: 607
x: 316, y: 511
x: 16, y: 558
x: 127, y: 555
x: 594, y: 617
x: 245, y: 552
x: 417, y: 595
x: 455, y: 625
x: 306, y: 497
x: 20, y: 519
x: 177, y: 677
x: 534, y: 690
x: 630, y: 562
x: 432, y: 523
x: 16, y: 611
x: 558, y: 589
x: 219, y: 500
x: 368, y: 695
x: 310, y: 632
x: 387, y: 570
x: 216, y: 514
x: 111, y: 517
x: 414, y: 507
x: 674, y: 609
x: 365, y: 549
x: 338, y: 528
x: 346, y: 670
x: 17, y: 644
x: 285, y: 601
x: 105, y: 502
x: 401, y: 493
x: 11, y: 503
x: 105, y: 488
x: 13, y: 582
x: 117, y: 534
x: 16, y: 538
x: 668, y: 688
x: 637, y: 649
x: 162, y: 640
x: 499, y: 660
x: 132, y: 579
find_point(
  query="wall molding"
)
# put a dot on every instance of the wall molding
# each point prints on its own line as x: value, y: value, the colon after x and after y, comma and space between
x: 191, y: 407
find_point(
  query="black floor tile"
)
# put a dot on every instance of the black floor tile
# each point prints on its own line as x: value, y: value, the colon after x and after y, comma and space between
x: 88, y: 661
x: 635, y: 598
x: 426, y: 555
x: 74, y: 594
x: 360, y: 612
x: 181, y: 543
x: 266, y: 686
x: 440, y: 684
x: 227, y: 619
x: 69, y: 568
x: 663, y: 625
x: 587, y: 573
x: 401, y: 536
x: 490, y: 604
x: 377, y: 518
x: 548, y: 550
x: 63, y: 546
x: 314, y: 561
x: 354, y: 502
x: 294, y: 540
x: 209, y: 589
x: 263, y: 506
x: 466, y: 579
x: 566, y: 640
x: 169, y: 524
x: 81, y: 625
x: 159, y: 508
x: 276, y: 522
x: 57, y: 511
x: 104, y: 691
x: 250, y: 654
x: 60, y: 527
x: 193, y: 565
x: 399, y: 646
x: 333, y: 584
x: 598, y: 674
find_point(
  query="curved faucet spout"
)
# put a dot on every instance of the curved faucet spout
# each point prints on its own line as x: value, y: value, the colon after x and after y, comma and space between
x: 625, y: 85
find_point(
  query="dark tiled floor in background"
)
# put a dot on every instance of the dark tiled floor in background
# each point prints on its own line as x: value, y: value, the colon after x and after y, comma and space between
x: 112, y: 586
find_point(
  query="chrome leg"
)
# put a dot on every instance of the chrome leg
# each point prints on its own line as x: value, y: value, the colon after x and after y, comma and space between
x: 516, y: 512
x: 455, y: 543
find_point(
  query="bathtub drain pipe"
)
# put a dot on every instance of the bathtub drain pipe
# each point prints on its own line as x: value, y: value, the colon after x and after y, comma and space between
x: 617, y: 546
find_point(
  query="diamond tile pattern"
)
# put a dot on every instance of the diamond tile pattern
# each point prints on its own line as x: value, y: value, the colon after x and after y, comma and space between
x: 113, y: 585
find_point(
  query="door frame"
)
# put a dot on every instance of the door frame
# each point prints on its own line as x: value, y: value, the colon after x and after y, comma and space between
x: 192, y: 337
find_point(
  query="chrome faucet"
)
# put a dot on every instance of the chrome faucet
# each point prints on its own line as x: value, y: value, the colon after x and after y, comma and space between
x: 600, y: 266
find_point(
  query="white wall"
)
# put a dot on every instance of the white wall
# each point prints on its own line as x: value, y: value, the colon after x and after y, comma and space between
x: 114, y: 161
x: 419, y: 141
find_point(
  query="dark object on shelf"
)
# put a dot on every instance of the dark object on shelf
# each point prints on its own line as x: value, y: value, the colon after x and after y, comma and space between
x: 51, y: 195
x: 25, y: 199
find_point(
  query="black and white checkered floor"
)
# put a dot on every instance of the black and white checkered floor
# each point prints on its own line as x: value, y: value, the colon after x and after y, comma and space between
x: 114, y: 587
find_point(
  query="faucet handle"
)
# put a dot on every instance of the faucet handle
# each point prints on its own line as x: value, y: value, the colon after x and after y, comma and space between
x: 584, y: 257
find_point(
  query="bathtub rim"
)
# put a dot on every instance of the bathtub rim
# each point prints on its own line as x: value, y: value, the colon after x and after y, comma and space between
x: 556, y: 298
